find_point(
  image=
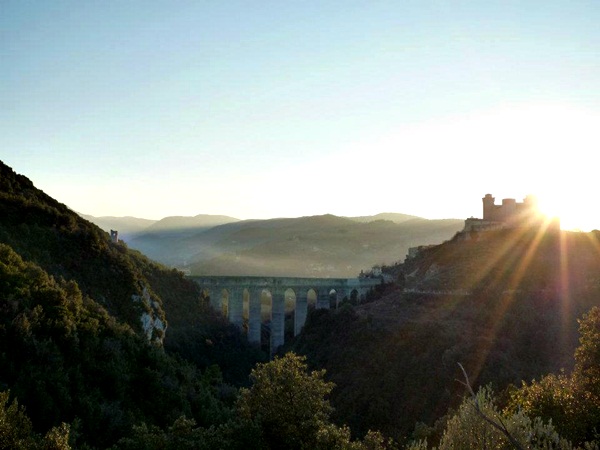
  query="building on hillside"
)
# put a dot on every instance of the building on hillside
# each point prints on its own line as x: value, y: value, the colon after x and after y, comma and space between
x: 114, y: 236
x: 510, y: 214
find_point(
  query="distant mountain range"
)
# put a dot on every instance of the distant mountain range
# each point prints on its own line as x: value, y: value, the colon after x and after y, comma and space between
x: 318, y: 246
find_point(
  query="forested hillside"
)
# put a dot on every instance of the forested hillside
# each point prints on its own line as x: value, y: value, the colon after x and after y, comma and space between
x: 503, y: 304
x: 84, y: 322
x: 67, y: 359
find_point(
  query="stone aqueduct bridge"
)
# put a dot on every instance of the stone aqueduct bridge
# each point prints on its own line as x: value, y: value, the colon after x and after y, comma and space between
x: 233, y: 288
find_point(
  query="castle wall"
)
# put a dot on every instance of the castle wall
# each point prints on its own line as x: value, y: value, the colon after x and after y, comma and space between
x: 510, y: 212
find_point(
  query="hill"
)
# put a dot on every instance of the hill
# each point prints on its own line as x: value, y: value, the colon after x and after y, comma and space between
x: 504, y: 303
x: 182, y: 225
x: 92, y: 333
x: 320, y: 246
x: 393, y: 217
x: 164, y: 240
x: 313, y: 246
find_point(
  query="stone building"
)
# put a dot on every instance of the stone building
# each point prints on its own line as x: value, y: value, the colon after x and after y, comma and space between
x: 509, y: 214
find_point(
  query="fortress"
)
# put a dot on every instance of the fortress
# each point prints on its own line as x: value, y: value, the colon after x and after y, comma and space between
x: 510, y: 214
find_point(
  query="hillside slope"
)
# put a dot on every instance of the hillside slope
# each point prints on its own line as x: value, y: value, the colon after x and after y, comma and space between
x: 82, y: 320
x: 317, y: 246
x: 46, y: 232
x: 505, y: 305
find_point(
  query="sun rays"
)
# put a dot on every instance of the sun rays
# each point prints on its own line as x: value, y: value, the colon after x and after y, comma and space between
x: 524, y: 244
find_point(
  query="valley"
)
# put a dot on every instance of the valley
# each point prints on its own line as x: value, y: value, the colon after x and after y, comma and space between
x: 106, y: 348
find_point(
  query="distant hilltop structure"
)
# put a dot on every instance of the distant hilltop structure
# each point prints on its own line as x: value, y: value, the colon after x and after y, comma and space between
x: 114, y: 236
x: 510, y: 214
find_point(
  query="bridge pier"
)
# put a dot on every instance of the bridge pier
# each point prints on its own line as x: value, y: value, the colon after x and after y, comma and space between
x: 236, y: 306
x: 277, y: 319
x: 323, y: 298
x: 301, y: 312
x: 254, y: 316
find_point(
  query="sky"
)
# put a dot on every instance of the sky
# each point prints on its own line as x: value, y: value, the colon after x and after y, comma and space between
x: 285, y: 109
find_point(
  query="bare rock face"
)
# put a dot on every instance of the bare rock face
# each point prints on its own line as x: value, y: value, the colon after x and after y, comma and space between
x: 152, y: 319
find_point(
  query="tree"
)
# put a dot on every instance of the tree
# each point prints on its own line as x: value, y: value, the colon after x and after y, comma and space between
x: 289, y: 405
x: 287, y: 400
x: 572, y: 402
x: 16, y: 430
x: 587, y: 355
x: 15, y: 427
x: 471, y: 427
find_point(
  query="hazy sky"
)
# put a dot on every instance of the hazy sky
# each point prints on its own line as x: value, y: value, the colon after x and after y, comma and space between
x: 266, y: 109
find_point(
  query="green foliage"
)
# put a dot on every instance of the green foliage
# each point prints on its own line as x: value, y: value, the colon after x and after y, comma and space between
x: 184, y: 434
x: 16, y: 431
x: 469, y: 429
x: 572, y: 402
x: 289, y: 405
x: 57, y: 438
x: 203, y: 336
x: 284, y: 409
x: 15, y: 427
x: 288, y: 402
x: 46, y: 232
x: 394, y: 361
x: 587, y: 355
x: 64, y: 357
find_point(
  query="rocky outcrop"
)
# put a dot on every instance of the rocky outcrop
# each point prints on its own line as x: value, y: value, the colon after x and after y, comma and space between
x: 152, y: 318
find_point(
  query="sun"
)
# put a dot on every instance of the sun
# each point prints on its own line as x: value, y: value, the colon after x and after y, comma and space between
x: 573, y: 214
x: 552, y: 152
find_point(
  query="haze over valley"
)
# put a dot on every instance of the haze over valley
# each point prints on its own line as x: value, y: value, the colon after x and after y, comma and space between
x: 316, y: 246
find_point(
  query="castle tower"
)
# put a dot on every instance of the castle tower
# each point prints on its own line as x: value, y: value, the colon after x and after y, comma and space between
x: 114, y: 236
x: 488, y: 207
x: 509, y: 210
